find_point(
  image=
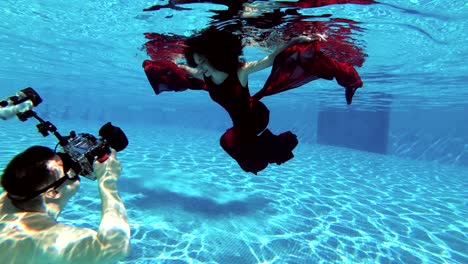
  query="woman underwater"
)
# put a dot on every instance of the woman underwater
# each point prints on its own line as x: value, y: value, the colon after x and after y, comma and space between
x: 215, y: 65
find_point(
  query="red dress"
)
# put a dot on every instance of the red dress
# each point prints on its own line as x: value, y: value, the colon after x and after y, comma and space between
x: 293, y: 67
x: 248, y: 141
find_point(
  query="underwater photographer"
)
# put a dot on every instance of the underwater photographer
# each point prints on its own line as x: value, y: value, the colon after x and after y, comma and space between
x: 39, y: 182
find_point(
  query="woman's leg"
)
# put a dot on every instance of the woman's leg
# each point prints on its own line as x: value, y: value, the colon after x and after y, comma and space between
x: 277, y: 148
x: 243, y: 149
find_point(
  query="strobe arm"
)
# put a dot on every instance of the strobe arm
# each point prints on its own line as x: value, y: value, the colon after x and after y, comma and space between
x: 45, y: 127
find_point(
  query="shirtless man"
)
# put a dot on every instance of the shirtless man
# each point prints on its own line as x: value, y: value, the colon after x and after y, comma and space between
x: 37, y: 187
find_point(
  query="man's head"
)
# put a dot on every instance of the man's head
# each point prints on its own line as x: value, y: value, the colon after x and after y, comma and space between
x: 38, y: 171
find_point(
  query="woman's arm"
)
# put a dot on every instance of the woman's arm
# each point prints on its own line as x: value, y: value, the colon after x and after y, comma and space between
x: 255, y: 66
x: 191, y: 71
x: 166, y: 75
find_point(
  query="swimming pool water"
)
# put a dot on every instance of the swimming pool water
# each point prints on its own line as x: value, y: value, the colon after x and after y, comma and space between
x: 188, y: 202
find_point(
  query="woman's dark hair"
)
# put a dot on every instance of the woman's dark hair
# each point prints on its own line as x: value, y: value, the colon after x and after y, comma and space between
x: 27, y: 172
x: 221, y: 48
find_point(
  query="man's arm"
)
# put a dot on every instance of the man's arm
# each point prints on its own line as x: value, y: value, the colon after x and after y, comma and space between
x: 114, y: 230
x: 111, y: 242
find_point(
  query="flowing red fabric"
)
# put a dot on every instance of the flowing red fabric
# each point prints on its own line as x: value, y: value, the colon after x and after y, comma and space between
x: 293, y: 67
x: 167, y: 76
x: 305, y: 62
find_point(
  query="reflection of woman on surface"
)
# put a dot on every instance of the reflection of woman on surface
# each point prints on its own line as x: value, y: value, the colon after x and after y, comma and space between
x: 214, y: 58
x: 37, y: 185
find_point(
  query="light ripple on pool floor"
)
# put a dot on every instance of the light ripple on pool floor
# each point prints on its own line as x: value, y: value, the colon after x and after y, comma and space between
x: 188, y: 202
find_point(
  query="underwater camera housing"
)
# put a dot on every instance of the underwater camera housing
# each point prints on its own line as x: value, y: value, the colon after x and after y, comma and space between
x: 79, y: 151
x: 83, y: 148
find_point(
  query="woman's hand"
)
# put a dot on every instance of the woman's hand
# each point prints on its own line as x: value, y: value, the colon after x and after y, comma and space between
x: 313, y: 37
x: 319, y: 37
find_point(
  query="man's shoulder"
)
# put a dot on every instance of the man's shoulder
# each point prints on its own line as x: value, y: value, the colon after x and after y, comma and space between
x: 66, y: 230
x: 39, y: 224
x: 55, y: 243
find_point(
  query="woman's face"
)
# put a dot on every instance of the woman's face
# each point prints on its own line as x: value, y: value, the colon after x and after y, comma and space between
x: 203, y: 65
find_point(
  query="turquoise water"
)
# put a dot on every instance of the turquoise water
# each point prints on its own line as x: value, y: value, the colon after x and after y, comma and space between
x: 188, y: 202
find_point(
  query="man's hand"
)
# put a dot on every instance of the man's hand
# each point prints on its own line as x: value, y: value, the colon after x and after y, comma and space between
x: 111, y: 167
